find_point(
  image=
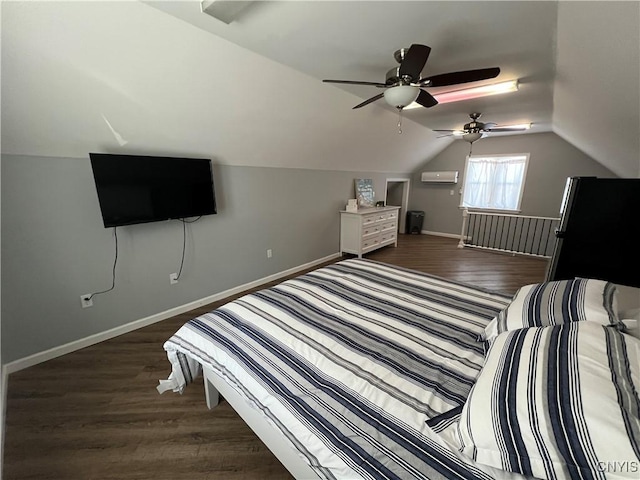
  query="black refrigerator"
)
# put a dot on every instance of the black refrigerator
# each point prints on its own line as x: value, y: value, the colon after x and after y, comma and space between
x: 598, y: 236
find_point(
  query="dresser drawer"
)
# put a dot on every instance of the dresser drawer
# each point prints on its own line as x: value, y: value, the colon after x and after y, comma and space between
x: 382, y: 217
x: 387, y: 237
x: 389, y: 226
x: 369, y: 219
x: 368, y: 230
x: 370, y: 243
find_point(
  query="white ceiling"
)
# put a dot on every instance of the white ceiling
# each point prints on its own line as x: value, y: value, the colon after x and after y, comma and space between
x: 597, y: 86
x: 79, y: 76
x: 355, y: 40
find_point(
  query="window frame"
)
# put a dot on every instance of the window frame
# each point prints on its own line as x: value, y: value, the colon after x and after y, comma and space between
x: 518, y: 208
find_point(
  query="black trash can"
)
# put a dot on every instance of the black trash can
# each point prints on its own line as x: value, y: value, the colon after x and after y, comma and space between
x: 414, y: 221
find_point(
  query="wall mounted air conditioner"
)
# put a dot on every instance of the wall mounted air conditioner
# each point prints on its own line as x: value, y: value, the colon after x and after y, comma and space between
x: 440, y: 177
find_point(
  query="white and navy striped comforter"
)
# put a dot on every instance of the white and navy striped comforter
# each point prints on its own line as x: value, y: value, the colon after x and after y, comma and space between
x: 348, y: 362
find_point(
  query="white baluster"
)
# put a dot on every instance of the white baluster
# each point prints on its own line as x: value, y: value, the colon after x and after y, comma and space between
x: 465, y: 215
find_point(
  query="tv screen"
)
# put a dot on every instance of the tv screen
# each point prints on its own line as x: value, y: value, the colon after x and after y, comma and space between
x: 138, y: 189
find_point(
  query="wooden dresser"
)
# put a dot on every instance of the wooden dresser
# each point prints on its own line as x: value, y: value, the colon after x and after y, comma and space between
x: 368, y: 229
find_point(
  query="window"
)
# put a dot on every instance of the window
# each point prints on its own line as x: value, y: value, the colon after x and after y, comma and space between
x: 494, y: 182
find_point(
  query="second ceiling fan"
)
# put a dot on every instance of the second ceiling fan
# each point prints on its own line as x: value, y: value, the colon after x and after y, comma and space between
x: 404, y: 85
x: 475, y: 130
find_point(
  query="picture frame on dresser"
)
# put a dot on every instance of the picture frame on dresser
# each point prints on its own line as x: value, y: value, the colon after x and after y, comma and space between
x: 365, y: 192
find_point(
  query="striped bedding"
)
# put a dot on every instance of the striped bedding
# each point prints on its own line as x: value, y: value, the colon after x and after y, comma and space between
x: 348, y: 362
x: 556, y: 402
x: 558, y: 302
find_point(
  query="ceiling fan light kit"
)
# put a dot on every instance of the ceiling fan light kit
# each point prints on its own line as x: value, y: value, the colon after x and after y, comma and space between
x: 471, y: 136
x: 401, y: 96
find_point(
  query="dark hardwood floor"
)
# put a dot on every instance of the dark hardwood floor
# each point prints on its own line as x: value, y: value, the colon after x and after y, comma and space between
x: 440, y: 256
x: 95, y: 413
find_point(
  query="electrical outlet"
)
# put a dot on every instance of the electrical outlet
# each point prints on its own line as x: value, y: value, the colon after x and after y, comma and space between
x: 173, y: 278
x: 269, y: 253
x: 86, y: 301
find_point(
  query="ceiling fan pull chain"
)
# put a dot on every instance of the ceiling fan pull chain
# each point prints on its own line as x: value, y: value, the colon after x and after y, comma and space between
x: 399, y: 121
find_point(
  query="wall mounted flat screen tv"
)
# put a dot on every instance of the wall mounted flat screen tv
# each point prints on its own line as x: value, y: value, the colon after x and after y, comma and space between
x: 139, y: 189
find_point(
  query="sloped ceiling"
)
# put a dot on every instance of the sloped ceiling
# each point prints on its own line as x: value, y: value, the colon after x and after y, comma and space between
x: 597, y: 86
x: 165, y: 78
x: 355, y: 40
x: 578, y: 63
x: 79, y: 77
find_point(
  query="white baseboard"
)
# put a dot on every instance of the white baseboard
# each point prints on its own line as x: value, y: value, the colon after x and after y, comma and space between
x: 54, y: 352
x: 440, y: 234
x: 3, y: 408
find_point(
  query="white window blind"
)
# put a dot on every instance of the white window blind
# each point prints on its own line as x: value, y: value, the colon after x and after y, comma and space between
x: 494, y: 182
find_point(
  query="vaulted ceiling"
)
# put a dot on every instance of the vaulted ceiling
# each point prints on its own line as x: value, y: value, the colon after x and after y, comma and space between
x: 356, y: 40
x: 578, y: 63
x: 165, y: 77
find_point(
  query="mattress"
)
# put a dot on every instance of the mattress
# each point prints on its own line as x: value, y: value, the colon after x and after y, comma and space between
x: 348, y: 363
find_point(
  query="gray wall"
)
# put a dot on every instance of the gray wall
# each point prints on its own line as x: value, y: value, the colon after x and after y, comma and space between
x: 55, y: 248
x: 551, y: 161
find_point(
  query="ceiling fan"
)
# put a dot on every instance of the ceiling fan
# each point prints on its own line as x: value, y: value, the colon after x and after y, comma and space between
x: 404, y: 85
x: 475, y: 130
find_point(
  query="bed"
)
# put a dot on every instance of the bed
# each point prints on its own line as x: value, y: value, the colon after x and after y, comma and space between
x: 365, y: 370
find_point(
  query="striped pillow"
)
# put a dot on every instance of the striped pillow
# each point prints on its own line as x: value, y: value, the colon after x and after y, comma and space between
x: 554, y: 303
x: 557, y: 402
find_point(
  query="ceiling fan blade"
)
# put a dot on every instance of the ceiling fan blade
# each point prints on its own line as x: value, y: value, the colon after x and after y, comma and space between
x: 367, y: 102
x: 414, y: 61
x: 465, y: 76
x: 447, y: 135
x: 356, y: 82
x: 506, y: 129
x: 426, y: 99
x: 442, y: 131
